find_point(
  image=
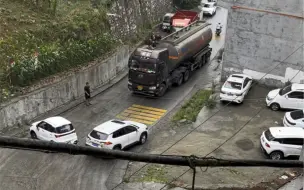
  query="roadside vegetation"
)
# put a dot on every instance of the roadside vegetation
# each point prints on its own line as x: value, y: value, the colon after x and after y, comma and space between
x: 186, y: 4
x: 41, y: 38
x: 192, y: 107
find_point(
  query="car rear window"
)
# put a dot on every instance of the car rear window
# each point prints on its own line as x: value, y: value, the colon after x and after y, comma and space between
x: 298, y: 114
x: 268, y: 135
x: 233, y: 85
x: 98, y: 135
x: 64, y: 129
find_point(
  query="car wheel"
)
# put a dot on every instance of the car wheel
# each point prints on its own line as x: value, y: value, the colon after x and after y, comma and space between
x: 276, y: 155
x: 117, y: 147
x: 275, y: 106
x: 33, y: 135
x: 143, y: 138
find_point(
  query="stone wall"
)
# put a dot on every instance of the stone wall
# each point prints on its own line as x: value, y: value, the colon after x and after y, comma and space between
x: 264, y: 44
x: 126, y: 16
x: 27, y: 107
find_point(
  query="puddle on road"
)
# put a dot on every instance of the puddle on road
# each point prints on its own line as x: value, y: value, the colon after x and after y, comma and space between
x: 245, y: 144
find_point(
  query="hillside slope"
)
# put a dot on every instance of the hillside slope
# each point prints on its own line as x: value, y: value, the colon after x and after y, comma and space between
x: 38, y: 40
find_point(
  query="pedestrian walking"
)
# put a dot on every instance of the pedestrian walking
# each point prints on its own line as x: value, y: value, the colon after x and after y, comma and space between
x: 87, y: 94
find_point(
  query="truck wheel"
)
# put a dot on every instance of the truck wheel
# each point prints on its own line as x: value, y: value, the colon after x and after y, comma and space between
x: 186, y: 75
x: 202, y: 62
x: 180, y: 80
x: 207, y: 59
x: 162, y: 90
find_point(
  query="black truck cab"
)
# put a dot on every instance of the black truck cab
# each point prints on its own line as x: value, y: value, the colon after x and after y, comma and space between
x: 148, y: 71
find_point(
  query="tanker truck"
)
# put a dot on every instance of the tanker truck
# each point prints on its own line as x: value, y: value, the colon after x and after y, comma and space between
x: 169, y: 61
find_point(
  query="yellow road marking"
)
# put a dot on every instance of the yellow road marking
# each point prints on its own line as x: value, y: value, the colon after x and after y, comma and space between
x: 141, y: 113
x: 137, y: 117
x: 136, y: 120
x: 145, y: 111
x: 149, y: 108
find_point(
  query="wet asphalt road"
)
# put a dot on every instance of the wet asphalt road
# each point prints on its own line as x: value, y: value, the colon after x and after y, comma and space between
x: 28, y: 170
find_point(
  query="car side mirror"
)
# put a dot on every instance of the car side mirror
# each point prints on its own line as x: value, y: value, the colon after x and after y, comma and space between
x: 37, y: 128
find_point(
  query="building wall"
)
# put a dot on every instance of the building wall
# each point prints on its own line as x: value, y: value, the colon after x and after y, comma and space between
x: 267, y: 46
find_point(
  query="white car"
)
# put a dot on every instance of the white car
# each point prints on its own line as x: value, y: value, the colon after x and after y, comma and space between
x: 281, y: 142
x: 289, y: 97
x: 294, y: 119
x: 117, y: 135
x: 57, y: 129
x: 209, y: 8
x: 236, y: 88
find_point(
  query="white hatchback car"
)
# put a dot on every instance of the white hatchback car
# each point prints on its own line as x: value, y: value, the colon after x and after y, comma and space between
x: 209, y: 8
x: 294, y: 119
x: 117, y: 135
x: 280, y: 142
x: 236, y: 88
x: 57, y: 129
x: 289, y: 97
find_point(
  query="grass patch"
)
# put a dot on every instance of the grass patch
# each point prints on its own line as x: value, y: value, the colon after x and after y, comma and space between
x: 192, y: 107
x: 154, y: 173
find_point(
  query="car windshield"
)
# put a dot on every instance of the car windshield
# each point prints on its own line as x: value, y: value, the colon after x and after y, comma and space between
x: 64, y: 128
x: 233, y: 85
x: 98, y: 135
x: 207, y: 6
x: 146, y: 67
x: 268, y: 135
x: 285, y: 90
x: 297, y: 114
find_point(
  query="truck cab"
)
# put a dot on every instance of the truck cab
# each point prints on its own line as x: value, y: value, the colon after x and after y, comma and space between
x: 167, y: 22
x: 148, y: 71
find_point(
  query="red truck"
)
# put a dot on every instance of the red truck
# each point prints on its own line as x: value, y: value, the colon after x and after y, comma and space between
x: 174, y: 22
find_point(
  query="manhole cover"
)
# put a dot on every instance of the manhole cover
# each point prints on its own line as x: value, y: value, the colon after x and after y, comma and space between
x: 245, y: 144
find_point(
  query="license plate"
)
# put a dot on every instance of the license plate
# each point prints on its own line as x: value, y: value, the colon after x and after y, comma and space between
x: 229, y: 94
x: 139, y: 87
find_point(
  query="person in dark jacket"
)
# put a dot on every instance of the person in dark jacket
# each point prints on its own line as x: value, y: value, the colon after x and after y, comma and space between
x: 87, y: 93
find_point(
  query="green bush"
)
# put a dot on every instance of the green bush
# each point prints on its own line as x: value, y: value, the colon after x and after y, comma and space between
x: 192, y: 107
x: 210, y: 103
x: 54, y: 58
x: 61, y: 45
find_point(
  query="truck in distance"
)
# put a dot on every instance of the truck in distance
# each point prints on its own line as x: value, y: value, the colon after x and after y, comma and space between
x: 175, y: 21
x: 171, y: 60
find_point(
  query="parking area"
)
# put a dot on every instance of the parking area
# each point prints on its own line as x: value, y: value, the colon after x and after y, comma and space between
x: 252, y: 116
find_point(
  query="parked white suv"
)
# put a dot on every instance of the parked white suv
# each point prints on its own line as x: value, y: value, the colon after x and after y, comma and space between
x: 117, y: 135
x: 280, y: 142
x: 236, y: 88
x: 294, y: 119
x: 289, y: 97
x: 57, y: 129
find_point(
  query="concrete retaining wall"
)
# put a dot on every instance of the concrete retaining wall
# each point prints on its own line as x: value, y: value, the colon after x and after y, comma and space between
x: 260, y: 44
x: 23, y: 109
